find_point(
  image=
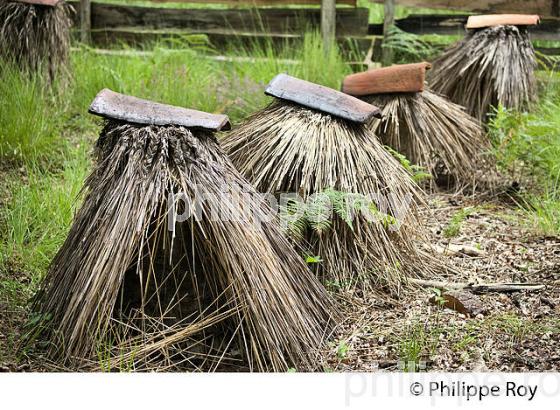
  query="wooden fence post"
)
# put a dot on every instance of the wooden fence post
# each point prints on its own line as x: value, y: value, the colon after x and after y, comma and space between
x: 85, y: 21
x: 328, y: 23
x: 388, y: 22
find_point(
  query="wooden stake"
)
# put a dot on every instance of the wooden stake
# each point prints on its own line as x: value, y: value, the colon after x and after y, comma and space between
x: 85, y: 21
x: 479, y: 287
x: 388, y: 22
x: 328, y: 23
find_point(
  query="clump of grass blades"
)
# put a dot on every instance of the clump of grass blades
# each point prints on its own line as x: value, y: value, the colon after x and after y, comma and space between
x: 216, y: 293
x: 527, y: 145
x: 490, y: 66
x: 35, y: 36
x: 288, y: 148
x: 39, y: 213
x: 306, y: 59
x: 437, y: 135
x: 31, y: 116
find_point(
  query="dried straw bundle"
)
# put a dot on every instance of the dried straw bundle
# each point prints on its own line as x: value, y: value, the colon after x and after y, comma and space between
x: 490, y: 66
x: 212, y: 292
x: 35, y: 36
x: 436, y: 134
x: 289, y: 148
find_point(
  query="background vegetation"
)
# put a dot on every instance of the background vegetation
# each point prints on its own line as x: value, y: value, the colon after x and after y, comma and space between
x: 46, y: 134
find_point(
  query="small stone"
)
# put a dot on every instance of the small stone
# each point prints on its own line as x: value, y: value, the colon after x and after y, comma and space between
x: 463, y: 302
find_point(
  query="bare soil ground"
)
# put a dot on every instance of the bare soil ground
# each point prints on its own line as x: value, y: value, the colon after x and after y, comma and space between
x: 516, y: 331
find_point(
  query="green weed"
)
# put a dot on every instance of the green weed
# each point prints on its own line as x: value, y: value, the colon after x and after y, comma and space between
x: 416, y: 343
x: 528, y: 146
x: 453, y: 228
x: 342, y: 349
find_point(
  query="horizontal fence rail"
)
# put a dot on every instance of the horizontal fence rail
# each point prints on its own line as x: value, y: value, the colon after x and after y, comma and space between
x: 259, y: 2
x: 549, y: 29
x: 134, y: 25
x: 349, y: 21
x: 544, y: 8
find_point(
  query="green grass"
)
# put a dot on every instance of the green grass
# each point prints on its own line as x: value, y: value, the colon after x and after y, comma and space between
x: 418, y: 342
x: 453, y: 228
x: 176, y: 74
x: 179, y: 78
x: 36, y: 219
x: 542, y: 212
x: 30, y: 116
x: 528, y: 146
x: 376, y: 11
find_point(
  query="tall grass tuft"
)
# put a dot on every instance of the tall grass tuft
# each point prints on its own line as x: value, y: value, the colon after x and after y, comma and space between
x: 306, y: 59
x: 30, y: 115
x: 173, y: 76
x: 325, y: 67
x: 528, y: 145
x: 36, y: 219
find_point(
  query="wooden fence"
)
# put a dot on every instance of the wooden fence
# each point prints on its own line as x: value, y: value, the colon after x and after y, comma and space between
x: 259, y: 3
x: 545, y: 8
x: 349, y: 21
x: 134, y: 25
x: 549, y: 29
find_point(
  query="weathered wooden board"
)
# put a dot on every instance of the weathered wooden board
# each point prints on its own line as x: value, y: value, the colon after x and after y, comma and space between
x: 50, y: 3
x: 222, y: 41
x: 400, y: 78
x: 258, y: 2
x: 548, y: 29
x: 109, y: 104
x: 491, y: 20
x: 541, y: 7
x: 349, y: 21
x: 321, y: 98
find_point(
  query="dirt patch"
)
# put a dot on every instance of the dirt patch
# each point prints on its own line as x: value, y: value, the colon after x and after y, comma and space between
x: 518, y: 331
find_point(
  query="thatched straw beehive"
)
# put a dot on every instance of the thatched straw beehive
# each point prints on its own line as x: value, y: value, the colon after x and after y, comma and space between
x: 494, y: 64
x: 136, y: 287
x: 35, y: 34
x: 428, y: 129
x: 311, y: 140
